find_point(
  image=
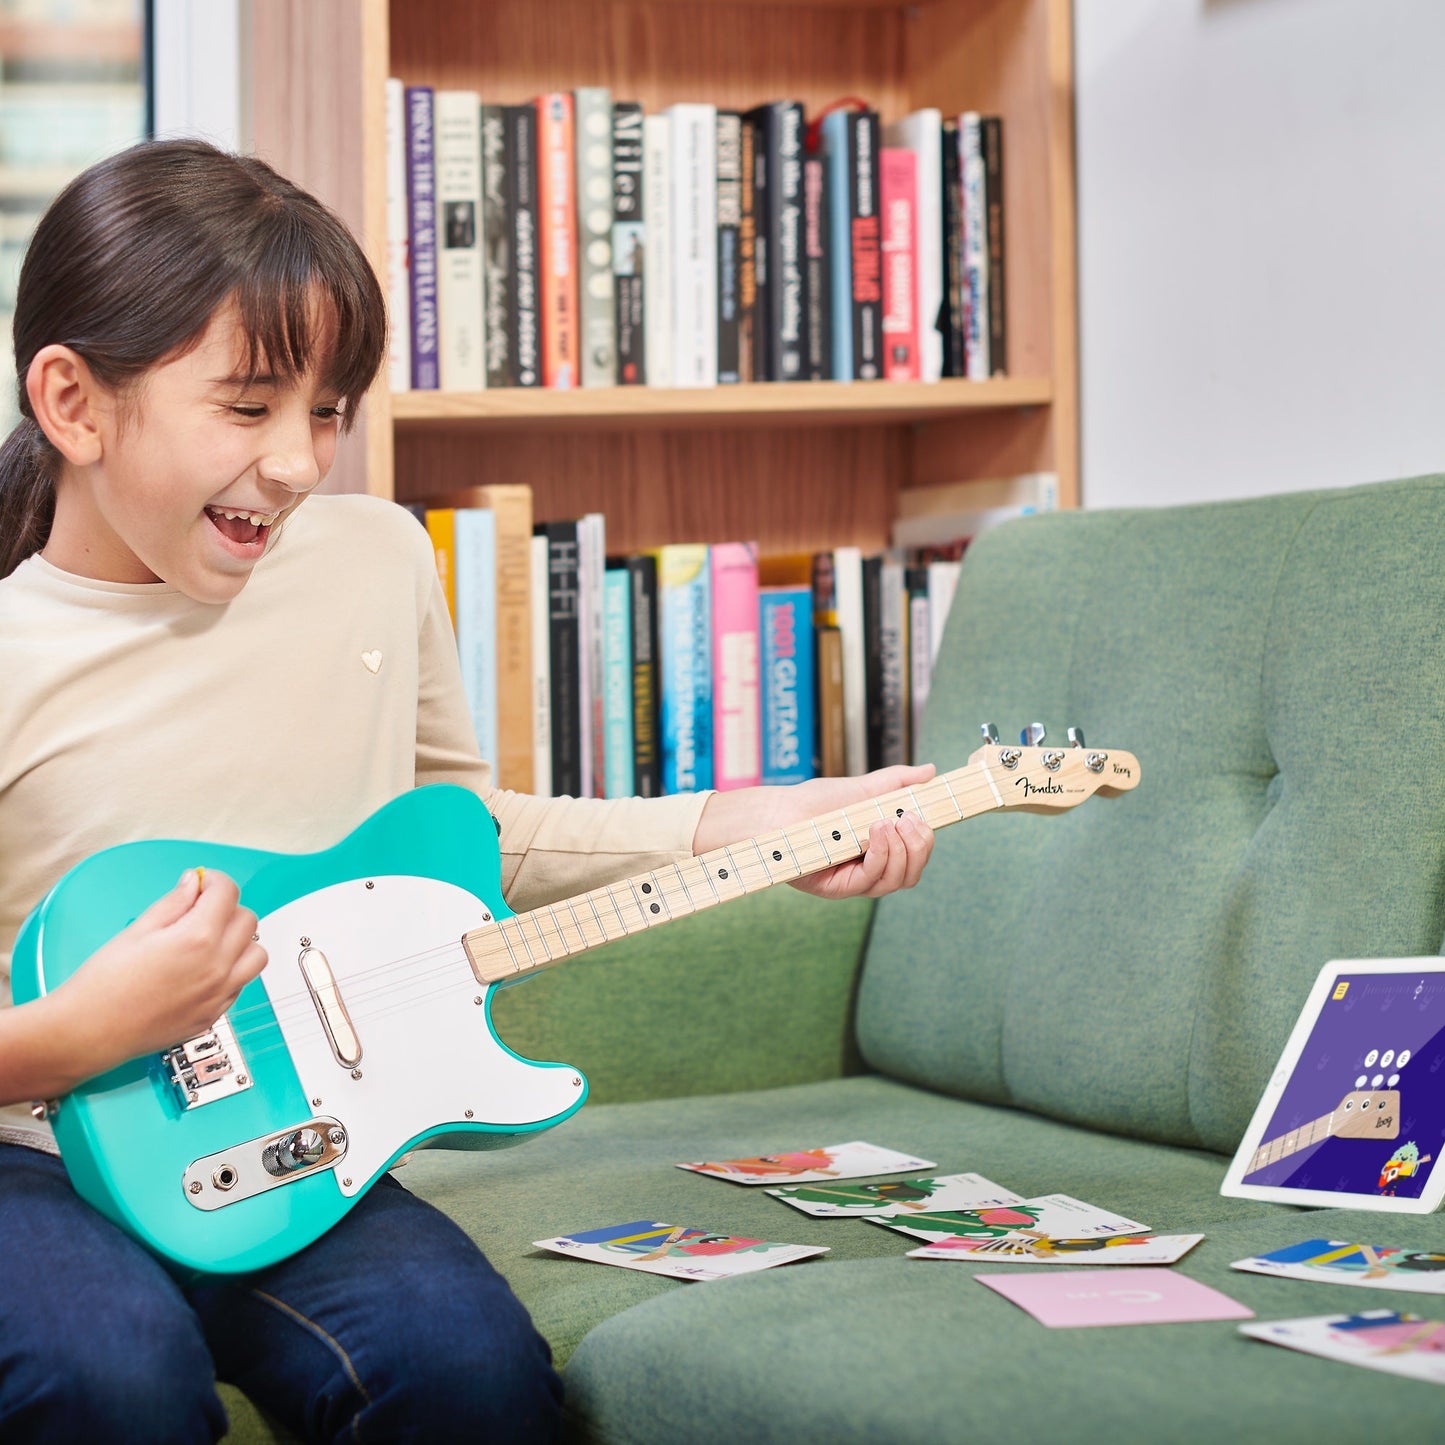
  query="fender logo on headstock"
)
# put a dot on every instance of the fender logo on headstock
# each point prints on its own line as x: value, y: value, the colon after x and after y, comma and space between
x: 1030, y: 788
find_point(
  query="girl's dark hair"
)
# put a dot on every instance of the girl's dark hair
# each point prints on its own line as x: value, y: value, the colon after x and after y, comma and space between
x: 134, y: 257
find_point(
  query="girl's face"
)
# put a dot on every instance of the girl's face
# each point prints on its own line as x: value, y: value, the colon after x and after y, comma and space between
x: 196, y: 470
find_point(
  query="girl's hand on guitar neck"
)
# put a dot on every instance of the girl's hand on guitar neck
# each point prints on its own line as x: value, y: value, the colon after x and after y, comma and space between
x: 898, y: 849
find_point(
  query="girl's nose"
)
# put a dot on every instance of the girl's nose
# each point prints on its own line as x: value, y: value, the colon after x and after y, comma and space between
x: 291, y: 463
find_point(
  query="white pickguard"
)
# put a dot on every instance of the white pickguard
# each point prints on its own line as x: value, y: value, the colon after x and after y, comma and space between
x: 428, y: 1055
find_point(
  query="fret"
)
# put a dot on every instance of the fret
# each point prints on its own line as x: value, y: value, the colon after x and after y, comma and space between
x: 611, y: 893
x: 514, y: 925
x: 657, y: 899
x: 707, y: 873
x: 953, y: 797
x: 567, y: 948
x: 772, y: 857
x: 581, y: 931
x: 741, y: 869
x: 690, y: 889
x: 591, y: 903
x: 637, y: 899
x: 537, y: 929
x: 787, y: 842
x: 503, y: 930
x: 724, y: 875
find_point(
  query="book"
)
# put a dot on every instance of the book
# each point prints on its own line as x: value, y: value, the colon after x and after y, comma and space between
x: 441, y: 528
x: 872, y: 659
x: 958, y: 511
x: 629, y: 243
x: 557, y: 249
x: 994, y: 243
x: 736, y: 718
x: 591, y: 563
x: 422, y: 228
x: 564, y: 657
x: 950, y: 315
x: 475, y: 540
x: 747, y: 250
x: 657, y: 270
x: 892, y: 664
x: 942, y: 584
x: 762, y: 347
x: 784, y: 308
x: 398, y: 278
x: 898, y: 197
x: 541, y: 674
x: 848, y: 580
x: 461, y: 362
x: 597, y: 319
x: 787, y: 683
x: 526, y: 317
x: 617, y: 778
x: 975, y: 247
x: 832, y: 732
x: 920, y: 655
x: 694, y: 244
x: 729, y: 225
x: 646, y: 756
x: 684, y: 614
x: 922, y: 133
x: 865, y: 245
x: 498, y: 324
x: 817, y: 281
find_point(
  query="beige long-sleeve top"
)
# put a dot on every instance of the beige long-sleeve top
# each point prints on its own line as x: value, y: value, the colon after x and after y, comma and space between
x: 279, y: 720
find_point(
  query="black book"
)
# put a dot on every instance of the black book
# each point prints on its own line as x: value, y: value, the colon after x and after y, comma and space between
x: 520, y: 123
x: 762, y: 260
x: 747, y: 252
x: 865, y: 231
x: 498, y: 325
x: 729, y: 229
x: 782, y: 303
x: 993, y: 210
x: 950, y: 315
x: 646, y: 754
x: 873, y: 657
x: 817, y: 281
x: 563, y: 615
x: 629, y: 237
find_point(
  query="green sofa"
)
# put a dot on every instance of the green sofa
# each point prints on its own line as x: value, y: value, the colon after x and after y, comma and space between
x: 1087, y: 1003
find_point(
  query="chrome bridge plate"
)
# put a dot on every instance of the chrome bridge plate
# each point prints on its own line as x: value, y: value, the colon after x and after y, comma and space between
x: 207, y: 1067
x: 240, y: 1171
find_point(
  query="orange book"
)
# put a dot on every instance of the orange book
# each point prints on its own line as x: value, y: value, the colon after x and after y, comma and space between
x: 441, y: 528
x: 557, y: 211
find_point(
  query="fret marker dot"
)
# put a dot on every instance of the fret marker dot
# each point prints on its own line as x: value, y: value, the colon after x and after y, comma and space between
x: 777, y: 857
x: 647, y: 887
x: 900, y: 812
x: 722, y: 872
x: 656, y: 907
x: 837, y: 836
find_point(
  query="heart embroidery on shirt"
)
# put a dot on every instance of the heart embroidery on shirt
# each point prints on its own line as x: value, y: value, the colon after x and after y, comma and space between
x: 372, y: 660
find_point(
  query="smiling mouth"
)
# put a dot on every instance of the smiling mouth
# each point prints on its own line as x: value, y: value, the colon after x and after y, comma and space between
x: 246, y: 529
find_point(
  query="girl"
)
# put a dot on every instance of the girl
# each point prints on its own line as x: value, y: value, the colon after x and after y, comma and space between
x: 187, y: 652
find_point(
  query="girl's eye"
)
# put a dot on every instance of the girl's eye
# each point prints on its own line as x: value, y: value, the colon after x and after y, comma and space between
x: 250, y: 412
x: 326, y: 413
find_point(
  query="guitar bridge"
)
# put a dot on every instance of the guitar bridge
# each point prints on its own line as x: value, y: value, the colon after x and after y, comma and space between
x: 207, y: 1067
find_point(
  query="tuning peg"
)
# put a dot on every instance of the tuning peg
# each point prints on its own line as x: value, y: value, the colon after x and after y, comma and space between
x: 1076, y: 737
x: 1032, y: 735
x: 989, y: 731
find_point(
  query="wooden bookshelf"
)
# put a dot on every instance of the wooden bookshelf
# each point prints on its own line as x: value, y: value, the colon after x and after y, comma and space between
x: 792, y: 465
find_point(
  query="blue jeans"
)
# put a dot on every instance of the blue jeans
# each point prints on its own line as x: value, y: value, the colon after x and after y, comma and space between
x: 392, y: 1326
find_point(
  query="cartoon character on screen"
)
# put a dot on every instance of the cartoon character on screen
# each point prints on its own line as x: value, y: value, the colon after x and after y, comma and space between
x: 1404, y: 1163
x: 768, y: 1166
x: 911, y: 1193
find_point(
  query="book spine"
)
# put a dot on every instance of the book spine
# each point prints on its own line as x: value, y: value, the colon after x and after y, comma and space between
x: 975, y: 248
x: 541, y: 674
x: 898, y: 186
x: 789, y: 298
x: 422, y: 224
x: 736, y: 719
x: 873, y: 660
x: 836, y: 144
x: 511, y: 507
x: 832, y: 727
x: 817, y: 283
x: 617, y: 682
x: 747, y: 249
x: 646, y: 758
x: 694, y: 245
x: 729, y: 226
x: 557, y: 212
x: 785, y: 631
x: 993, y: 206
x: 398, y: 275
x: 461, y: 361
x: 942, y: 584
x: 629, y: 249
x: 498, y: 324
x: 685, y: 628
x: 476, y: 563
x: 441, y: 528
x: 564, y: 657
x: 920, y: 661
x: 597, y: 315
x: 657, y: 272
x: 950, y: 324
x: 921, y: 133
x: 760, y: 121
x: 848, y: 580
x: 864, y: 239
x: 893, y: 663
x: 526, y: 335
x: 591, y: 561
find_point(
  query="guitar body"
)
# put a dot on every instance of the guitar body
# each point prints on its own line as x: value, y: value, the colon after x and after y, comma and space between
x: 366, y: 1035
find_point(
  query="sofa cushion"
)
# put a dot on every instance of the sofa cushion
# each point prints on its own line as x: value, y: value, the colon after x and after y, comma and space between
x: 1135, y: 964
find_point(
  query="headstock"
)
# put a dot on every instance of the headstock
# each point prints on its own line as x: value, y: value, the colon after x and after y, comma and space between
x: 1367, y: 1114
x: 1044, y: 779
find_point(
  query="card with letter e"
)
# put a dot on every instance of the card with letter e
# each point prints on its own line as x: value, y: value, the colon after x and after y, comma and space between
x: 1056, y: 1215
x: 856, y: 1160
x: 1076, y: 1299
x: 900, y: 1196
x: 1398, y: 1344
x: 676, y: 1251
x: 1041, y: 1249
x: 1375, y: 1266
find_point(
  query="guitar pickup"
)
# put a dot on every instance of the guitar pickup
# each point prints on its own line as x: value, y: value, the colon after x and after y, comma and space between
x: 207, y: 1067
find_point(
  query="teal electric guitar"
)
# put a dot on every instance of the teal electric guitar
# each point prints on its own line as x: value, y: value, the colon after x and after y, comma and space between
x: 369, y: 1032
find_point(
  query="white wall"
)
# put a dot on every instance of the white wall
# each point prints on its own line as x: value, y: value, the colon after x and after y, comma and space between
x: 1261, y: 245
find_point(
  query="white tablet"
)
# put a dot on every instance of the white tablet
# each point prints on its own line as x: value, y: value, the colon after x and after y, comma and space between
x: 1354, y: 1116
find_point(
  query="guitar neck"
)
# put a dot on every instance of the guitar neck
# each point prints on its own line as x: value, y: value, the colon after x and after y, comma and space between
x: 526, y: 942
x: 1292, y: 1142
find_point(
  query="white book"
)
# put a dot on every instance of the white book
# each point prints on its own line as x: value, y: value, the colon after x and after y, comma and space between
x: 657, y: 268
x: 848, y: 593
x: 975, y: 246
x: 398, y: 236
x: 541, y: 671
x: 694, y: 244
x: 461, y: 358
x: 942, y: 584
x: 922, y: 133
x: 475, y: 553
x: 591, y: 568
x: 597, y: 317
x: 893, y: 661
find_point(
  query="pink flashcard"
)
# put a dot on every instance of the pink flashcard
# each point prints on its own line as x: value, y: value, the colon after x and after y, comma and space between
x: 1067, y: 1299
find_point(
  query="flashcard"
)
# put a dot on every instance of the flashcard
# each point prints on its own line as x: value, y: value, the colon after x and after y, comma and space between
x: 1398, y: 1344
x: 677, y: 1252
x: 1056, y: 1215
x: 1074, y: 1299
x: 900, y: 1196
x: 1376, y: 1266
x: 834, y: 1161
x: 1040, y: 1249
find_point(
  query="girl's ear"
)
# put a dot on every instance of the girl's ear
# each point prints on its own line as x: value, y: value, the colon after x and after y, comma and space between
x: 67, y: 403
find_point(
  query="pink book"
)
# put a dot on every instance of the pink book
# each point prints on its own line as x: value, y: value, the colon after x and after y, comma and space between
x: 898, y: 196
x: 737, y: 727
